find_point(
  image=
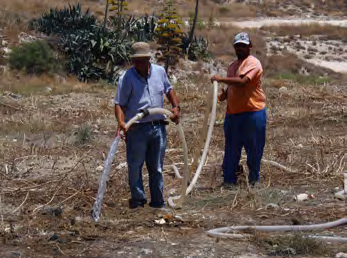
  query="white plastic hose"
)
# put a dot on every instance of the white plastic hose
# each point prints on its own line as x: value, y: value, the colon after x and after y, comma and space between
x: 208, y: 139
x: 205, y: 151
x: 186, y: 172
x: 227, y: 232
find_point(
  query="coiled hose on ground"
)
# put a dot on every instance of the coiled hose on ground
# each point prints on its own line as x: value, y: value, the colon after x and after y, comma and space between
x: 228, y: 232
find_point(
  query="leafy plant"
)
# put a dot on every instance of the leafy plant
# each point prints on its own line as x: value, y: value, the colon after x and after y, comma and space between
x: 198, y: 49
x: 92, y: 50
x: 169, y: 35
x: 144, y: 28
x: 64, y: 21
x: 34, y: 58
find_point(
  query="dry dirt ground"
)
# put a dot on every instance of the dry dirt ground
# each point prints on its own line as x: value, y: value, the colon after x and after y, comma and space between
x: 55, y: 134
x: 49, y: 173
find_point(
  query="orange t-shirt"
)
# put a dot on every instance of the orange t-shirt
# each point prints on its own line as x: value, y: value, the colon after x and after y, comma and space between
x: 250, y: 97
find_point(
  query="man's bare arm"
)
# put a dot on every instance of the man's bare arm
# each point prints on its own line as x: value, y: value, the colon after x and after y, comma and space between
x: 119, y: 113
x: 231, y: 81
x: 172, y: 97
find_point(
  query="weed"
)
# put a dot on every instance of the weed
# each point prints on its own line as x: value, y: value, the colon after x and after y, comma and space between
x: 292, y: 245
x: 83, y: 134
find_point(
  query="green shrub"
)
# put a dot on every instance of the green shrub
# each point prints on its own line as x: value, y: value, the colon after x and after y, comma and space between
x: 34, y: 58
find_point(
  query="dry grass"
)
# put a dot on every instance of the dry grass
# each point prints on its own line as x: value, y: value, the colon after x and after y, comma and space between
x: 46, y: 169
x: 293, y: 245
x: 328, y: 32
x: 299, y: 7
x: 221, y: 42
x: 290, y: 64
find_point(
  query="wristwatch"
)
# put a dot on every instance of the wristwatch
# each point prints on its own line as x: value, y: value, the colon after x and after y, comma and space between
x: 179, y: 108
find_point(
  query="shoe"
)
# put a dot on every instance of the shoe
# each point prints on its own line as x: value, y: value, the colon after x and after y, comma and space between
x: 135, y: 204
x: 156, y: 206
x: 256, y: 185
x: 229, y: 186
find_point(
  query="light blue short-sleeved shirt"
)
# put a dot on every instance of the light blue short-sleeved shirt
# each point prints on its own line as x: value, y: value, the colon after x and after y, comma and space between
x: 136, y: 93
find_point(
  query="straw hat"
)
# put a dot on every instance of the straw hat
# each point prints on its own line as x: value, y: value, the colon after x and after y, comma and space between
x: 140, y: 49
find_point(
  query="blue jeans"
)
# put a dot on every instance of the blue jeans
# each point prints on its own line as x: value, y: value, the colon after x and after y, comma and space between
x: 146, y: 143
x: 246, y: 130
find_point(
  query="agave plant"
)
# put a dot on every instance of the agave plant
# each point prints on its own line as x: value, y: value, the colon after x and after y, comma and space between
x: 93, y: 54
x: 64, y: 21
x: 198, y: 48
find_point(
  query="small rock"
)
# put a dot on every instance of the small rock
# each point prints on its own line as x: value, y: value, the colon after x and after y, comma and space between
x: 303, y: 197
x: 122, y: 165
x: 7, y: 50
x: 341, y: 255
x: 26, y: 38
x: 146, y: 251
x: 283, y: 89
x: 160, y: 221
x: 300, y: 146
x: 48, y: 89
x: 272, y: 206
x: 99, y: 168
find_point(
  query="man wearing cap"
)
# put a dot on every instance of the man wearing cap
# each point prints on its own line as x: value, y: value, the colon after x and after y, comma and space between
x: 143, y: 86
x: 245, y: 120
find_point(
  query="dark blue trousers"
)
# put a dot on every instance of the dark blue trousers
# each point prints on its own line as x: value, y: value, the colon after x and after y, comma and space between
x: 246, y: 130
x: 146, y: 143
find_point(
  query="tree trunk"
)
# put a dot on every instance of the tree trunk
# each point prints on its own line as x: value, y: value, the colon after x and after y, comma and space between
x: 191, y: 34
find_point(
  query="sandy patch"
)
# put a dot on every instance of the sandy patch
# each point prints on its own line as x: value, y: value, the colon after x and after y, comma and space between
x: 280, y: 22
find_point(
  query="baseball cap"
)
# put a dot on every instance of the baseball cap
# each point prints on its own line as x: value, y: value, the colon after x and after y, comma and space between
x: 242, y: 37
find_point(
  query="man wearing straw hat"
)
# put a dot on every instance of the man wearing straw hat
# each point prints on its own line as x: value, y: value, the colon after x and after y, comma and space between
x: 143, y: 86
x: 245, y: 120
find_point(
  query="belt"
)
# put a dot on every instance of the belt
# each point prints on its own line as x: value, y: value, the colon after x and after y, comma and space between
x: 156, y: 122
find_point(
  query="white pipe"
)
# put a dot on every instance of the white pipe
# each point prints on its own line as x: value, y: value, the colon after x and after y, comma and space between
x: 205, y: 151
x: 225, y: 231
x: 208, y: 139
x: 175, y: 170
